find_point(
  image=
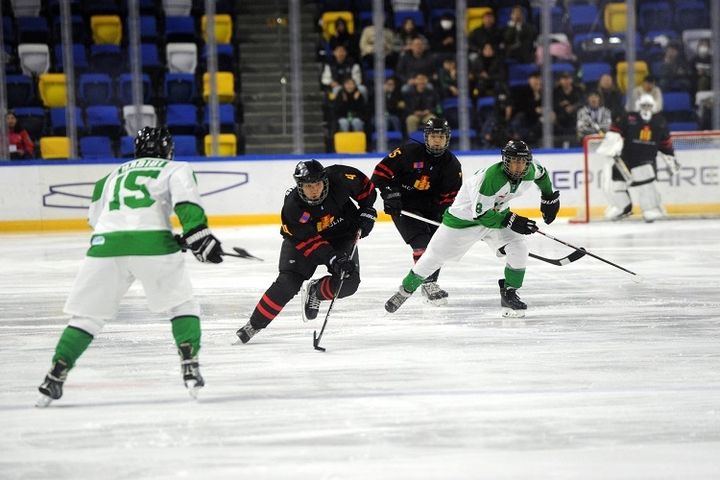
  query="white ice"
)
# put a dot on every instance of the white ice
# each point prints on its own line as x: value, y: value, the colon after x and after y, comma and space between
x: 604, y: 379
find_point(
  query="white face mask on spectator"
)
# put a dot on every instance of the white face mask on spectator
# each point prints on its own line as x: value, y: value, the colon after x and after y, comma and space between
x: 446, y: 24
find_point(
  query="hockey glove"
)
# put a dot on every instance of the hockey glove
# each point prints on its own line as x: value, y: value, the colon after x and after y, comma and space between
x: 203, y: 244
x: 366, y: 221
x: 341, y: 266
x: 392, y: 200
x: 521, y: 225
x: 672, y: 163
x: 549, y: 206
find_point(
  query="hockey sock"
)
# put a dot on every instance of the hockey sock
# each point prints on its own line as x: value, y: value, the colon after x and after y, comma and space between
x: 71, y: 345
x: 514, y: 278
x: 186, y: 329
x: 412, y: 281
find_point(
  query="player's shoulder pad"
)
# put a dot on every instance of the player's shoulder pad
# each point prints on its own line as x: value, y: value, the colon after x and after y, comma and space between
x: 344, y: 173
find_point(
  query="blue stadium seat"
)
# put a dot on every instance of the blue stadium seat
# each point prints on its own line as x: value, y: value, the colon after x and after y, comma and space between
x: 20, y: 91
x: 127, y: 147
x: 394, y: 139
x: 182, y: 118
x: 690, y: 126
x: 654, y: 15
x: 227, y: 118
x: 31, y: 30
x: 103, y: 120
x: 180, y: 29
x: 558, y: 68
x: 32, y: 119
x: 150, y: 56
x: 107, y: 59
x: 58, y: 125
x: 185, y: 145
x: 96, y: 147
x: 518, y: 73
x: 416, y: 15
x: 78, y: 27
x: 677, y: 107
x: 125, y: 89
x: 95, y: 89
x: 180, y: 87
x: 592, y: 71
x: 690, y: 14
x: 148, y: 28
x: 9, y: 31
x: 225, y: 56
x: 583, y: 18
x: 80, y: 62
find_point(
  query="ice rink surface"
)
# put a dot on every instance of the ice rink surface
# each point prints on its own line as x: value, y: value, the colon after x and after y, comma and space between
x: 604, y: 379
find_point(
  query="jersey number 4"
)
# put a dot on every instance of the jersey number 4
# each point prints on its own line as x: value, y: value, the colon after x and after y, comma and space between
x: 139, y: 197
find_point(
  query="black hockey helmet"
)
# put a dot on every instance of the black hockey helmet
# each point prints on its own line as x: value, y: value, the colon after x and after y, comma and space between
x: 516, y: 149
x: 437, y: 125
x: 155, y: 143
x: 311, y: 171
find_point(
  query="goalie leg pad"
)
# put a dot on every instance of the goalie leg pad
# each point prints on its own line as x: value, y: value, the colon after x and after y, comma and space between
x: 619, y: 201
x: 647, y: 192
x: 642, y: 173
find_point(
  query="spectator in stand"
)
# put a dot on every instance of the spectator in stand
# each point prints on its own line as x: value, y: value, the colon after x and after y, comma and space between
x: 488, y: 32
x: 593, y: 118
x: 673, y: 74
x: 342, y: 36
x: 647, y: 87
x: 447, y: 78
x: 486, y: 72
x: 421, y: 103
x: 442, y: 38
x: 610, y: 96
x: 567, y: 100
x: 407, y: 33
x: 350, y: 108
x: 495, y: 129
x: 19, y: 143
x: 394, y: 105
x: 416, y: 60
x: 700, y: 65
x: 367, y: 47
x: 337, y: 69
x: 526, y: 122
x: 519, y: 37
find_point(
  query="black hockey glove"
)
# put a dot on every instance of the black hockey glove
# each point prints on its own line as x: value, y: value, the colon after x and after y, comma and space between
x: 521, y: 225
x: 549, y: 206
x: 392, y: 200
x: 366, y: 221
x: 203, y: 244
x: 341, y: 266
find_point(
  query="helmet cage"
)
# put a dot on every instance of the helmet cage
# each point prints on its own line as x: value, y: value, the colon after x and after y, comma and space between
x: 516, y: 150
x: 155, y: 143
x: 437, y: 126
x: 308, y: 172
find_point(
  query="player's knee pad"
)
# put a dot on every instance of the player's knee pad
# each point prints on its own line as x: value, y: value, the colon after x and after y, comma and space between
x: 189, y: 308
x: 87, y: 324
x: 643, y: 174
x: 648, y: 196
x: 516, y: 253
x: 289, y: 281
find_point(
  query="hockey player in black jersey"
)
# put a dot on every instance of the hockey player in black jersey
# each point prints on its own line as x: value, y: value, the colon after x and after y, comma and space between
x: 422, y: 179
x: 633, y: 142
x: 320, y: 222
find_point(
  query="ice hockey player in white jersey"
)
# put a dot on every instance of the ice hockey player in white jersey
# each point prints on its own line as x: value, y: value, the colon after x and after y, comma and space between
x: 132, y: 240
x: 481, y: 212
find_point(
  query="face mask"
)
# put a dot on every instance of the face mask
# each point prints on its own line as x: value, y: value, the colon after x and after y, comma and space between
x: 446, y: 24
x: 646, y: 113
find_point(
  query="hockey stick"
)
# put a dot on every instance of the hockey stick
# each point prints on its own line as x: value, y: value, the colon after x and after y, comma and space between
x: 585, y: 252
x: 316, y: 337
x: 574, y: 256
x: 241, y: 253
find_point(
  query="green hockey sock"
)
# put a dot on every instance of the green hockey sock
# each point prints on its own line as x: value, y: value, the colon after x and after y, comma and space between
x: 514, y: 278
x: 186, y: 329
x: 412, y: 281
x: 71, y: 345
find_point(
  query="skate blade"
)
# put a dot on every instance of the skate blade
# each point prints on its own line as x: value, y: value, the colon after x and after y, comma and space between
x: 43, y: 401
x: 303, y: 299
x: 510, y: 313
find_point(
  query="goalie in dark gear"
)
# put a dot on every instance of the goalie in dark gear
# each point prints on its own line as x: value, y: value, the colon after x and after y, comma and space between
x: 154, y: 143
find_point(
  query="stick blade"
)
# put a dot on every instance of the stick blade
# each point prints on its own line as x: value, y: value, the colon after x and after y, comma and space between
x: 316, y: 342
x: 242, y: 253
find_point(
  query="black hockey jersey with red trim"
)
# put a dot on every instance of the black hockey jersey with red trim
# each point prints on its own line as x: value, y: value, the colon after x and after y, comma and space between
x: 428, y: 184
x: 642, y: 139
x: 312, y: 227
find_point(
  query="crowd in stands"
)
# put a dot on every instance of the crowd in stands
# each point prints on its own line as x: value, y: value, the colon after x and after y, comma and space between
x: 173, y: 51
x: 504, y: 62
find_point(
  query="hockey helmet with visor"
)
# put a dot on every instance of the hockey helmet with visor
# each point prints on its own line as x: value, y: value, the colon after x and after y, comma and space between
x: 312, y: 181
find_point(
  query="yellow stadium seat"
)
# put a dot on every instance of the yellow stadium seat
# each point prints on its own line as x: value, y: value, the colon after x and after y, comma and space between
x: 54, y: 148
x: 350, y: 142
x: 223, y: 28
x: 227, y: 145
x: 225, y: 86
x: 106, y: 29
x: 641, y: 71
x: 474, y: 17
x: 52, y: 89
x: 615, y: 15
x: 328, y: 22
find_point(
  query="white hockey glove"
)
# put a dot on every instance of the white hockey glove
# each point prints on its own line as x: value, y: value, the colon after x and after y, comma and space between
x: 672, y: 163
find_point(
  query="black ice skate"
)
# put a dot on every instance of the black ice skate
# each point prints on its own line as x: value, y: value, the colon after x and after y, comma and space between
x: 190, y: 370
x: 310, y: 300
x: 247, y: 332
x: 511, y: 303
x: 52, y: 387
x: 397, y: 300
x: 433, y: 294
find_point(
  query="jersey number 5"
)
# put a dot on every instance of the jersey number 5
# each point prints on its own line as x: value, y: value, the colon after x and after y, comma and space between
x: 129, y: 183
